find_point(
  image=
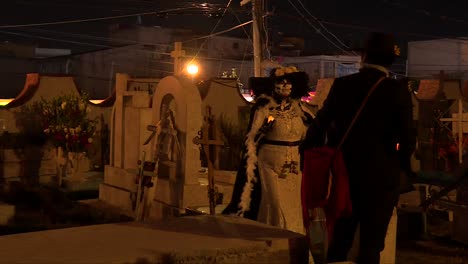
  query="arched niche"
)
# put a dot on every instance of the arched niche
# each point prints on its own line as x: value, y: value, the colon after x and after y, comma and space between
x: 183, y: 98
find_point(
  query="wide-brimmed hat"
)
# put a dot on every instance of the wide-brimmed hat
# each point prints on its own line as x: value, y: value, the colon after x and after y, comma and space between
x: 380, y: 48
x: 266, y: 85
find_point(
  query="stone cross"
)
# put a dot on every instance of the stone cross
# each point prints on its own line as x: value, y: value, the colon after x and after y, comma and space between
x: 459, y: 119
x: 177, y: 54
x: 210, y: 142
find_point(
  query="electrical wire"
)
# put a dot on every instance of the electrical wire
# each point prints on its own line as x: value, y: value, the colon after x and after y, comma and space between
x: 85, y: 36
x: 94, y: 19
x: 267, y: 36
x: 425, y: 12
x: 243, y: 62
x: 366, y: 28
x: 369, y: 29
x: 109, y: 39
x: 220, y: 32
x: 317, y: 30
x: 233, y: 12
x: 111, y: 49
x: 325, y: 28
x: 103, y: 46
x: 55, y: 39
x: 213, y: 30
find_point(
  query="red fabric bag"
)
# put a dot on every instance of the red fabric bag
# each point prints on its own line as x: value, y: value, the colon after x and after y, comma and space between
x: 325, y: 185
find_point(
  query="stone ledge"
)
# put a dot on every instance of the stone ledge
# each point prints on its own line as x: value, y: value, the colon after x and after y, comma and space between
x: 115, y: 196
x: 190, y: 240
x: 7, y: 212
x: 120, y: 178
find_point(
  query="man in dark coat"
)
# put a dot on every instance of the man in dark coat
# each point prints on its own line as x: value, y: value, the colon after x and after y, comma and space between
x: 376, y: 151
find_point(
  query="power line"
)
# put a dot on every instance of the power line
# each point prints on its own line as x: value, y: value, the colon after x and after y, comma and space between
x: 55, y: 39
x: 367, y: 29
x: 325, y: 28
x: 214, y: 28
x: 85, y: 36
x: 370, y: 28
x: 425, y: 12
x: 233, y: 12
x: 111, y: 49
x: 221, y: 32
x: 317, y: 30
x: 221, y: 59
x: 108, y: 39
x: 94, y: 19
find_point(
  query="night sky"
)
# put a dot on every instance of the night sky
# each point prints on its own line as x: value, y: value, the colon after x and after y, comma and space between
x: 348, y: 20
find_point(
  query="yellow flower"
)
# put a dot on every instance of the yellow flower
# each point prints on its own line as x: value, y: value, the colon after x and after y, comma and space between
x: 82, y: 106
x: 64, y: 104
x: 90, y: 140
x: 396, y: 50
x: 279, y: 72
x: 290, y: 69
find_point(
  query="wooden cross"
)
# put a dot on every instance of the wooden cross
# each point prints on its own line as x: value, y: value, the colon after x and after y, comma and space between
x: 210, y: 141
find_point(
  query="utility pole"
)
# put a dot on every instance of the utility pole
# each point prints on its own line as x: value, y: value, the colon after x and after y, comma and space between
x: 257, y: 20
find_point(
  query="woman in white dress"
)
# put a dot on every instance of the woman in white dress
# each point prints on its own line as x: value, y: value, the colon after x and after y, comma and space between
x: 272, y: 155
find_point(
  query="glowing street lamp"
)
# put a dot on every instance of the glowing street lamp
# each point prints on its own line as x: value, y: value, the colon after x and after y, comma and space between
x: 192, y: 69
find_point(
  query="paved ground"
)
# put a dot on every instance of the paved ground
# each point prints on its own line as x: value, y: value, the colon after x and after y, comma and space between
x: 436, y: 247
x: 429, y: 253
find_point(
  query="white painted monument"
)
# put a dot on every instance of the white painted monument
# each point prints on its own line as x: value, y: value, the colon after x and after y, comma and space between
x: 175, y: 105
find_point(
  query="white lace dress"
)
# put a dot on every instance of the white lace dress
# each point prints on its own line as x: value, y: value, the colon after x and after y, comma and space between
x: 278, y: 164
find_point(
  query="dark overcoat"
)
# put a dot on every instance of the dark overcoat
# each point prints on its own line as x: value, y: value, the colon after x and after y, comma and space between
x: 370, y: 151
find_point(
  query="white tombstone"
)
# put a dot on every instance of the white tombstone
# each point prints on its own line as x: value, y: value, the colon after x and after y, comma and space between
x: 180, y: 186
x: 131, y: 115
x: 231, y: 111
x: 134, y: 110
x: 321, y: 92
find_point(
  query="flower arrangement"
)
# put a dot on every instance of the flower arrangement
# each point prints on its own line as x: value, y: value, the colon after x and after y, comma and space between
x: 452, y: 147
x: 65, y: 122
x: 285, y: 70
x: 448, y: 150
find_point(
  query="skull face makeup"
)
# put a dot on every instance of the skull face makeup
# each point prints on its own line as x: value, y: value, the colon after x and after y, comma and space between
x: 283, y: 88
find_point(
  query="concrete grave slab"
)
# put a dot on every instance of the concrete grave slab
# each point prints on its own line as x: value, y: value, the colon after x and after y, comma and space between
x: 201, y: 239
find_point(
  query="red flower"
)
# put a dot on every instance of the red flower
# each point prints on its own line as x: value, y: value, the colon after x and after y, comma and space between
x: 59, y: 137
